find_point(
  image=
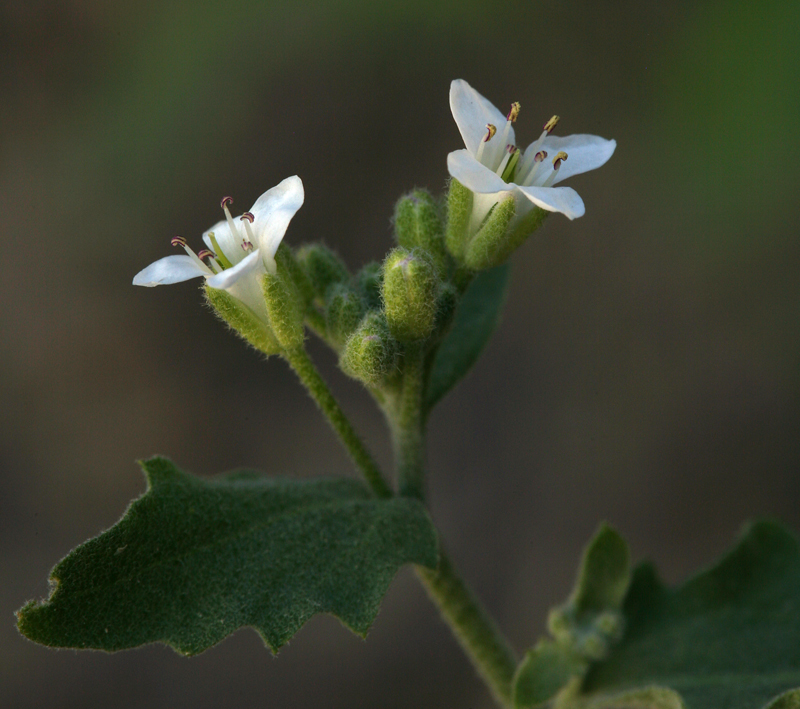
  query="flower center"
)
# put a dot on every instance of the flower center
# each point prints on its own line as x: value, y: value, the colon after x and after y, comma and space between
x: 526, y: 168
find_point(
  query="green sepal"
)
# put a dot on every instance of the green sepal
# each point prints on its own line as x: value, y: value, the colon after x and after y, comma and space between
x: 242, y: 320
x: 490, y: 240
x: 371, y: 352
x: 344, y: 309
x: 459, y: 212
x: 285, y: 307
x: 289, y: 265
x: 545, y: 671
x: 369, y: 281
x: 476, y: 317
x: 518, y: 233
x: 193, y: 560
x: 410, y: 289
x: 418, y: 225
x: 322, y: 267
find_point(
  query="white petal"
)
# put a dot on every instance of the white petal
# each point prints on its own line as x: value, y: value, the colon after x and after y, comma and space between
x: 231, y: 244
x: 586, y: 152
x: 473, y: 175
x: 170, y: 269
x: 229, y: 276
x: 556, y: 199
x: 273, y: 211
x: 472, y: 112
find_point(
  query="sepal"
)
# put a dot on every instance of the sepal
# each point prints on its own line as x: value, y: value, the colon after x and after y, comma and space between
x: 285, y: 307
x: 242, y: 320
x: 491, y: 239
x: 459, y: 211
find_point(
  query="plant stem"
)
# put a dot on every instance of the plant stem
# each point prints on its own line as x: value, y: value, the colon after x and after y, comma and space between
x: 299, y: 360
x: 407, y: 426
x: 476, y: 632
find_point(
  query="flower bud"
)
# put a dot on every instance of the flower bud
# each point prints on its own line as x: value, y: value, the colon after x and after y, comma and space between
x: 369, y: 281
x: 490, y: 241
x: 371, y: 352
x: 410, y: 287
x: 322, y: 267
x: 343, y: 312
x: 459, y: 211
x: 418, y: 225
x: 242, y: 320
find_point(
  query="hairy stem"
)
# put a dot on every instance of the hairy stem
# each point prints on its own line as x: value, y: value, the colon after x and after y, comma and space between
x: 304, y: 368
x: 407, y: 426
x: 476, y: 632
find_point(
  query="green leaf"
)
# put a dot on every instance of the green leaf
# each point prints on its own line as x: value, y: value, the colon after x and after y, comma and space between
x: 584, y: 628
x: 476, y: 318
x: 193, y: 560
x: 727, y: 639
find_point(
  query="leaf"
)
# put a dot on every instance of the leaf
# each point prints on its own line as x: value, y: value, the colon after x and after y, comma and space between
x: 476, y: 318
x: 727, y: 639
x: 193, y: 560
x: 584, y: 628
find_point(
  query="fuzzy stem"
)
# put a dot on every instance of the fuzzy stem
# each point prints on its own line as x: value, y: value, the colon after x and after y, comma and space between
x: 476, y: 632
x: 407, y: 423
x: 299, y: 360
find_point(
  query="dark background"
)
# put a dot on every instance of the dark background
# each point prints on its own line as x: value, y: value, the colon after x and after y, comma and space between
x: 645, y: 373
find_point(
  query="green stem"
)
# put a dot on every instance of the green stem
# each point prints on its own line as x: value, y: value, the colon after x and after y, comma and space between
x: 299, y: 360
x: 407, y: 425
x: 477, y: 633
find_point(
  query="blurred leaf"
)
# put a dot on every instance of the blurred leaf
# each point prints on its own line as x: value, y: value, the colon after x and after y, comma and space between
x: 476, y: 318
x: 730, y: 637
x: 193, y: 560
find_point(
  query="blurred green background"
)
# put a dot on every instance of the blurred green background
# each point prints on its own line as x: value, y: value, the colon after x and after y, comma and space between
x: 646, y: 371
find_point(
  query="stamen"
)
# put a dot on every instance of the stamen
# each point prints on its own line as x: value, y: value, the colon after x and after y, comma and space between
x: 514, y: 112
x: 558, y: 159
x: 228, y: 218
x: 540, y: 156
x: 490, y: 131
x: 205, y: 253
x: 509, y: 152
x: 528, y: 168
x: 225, y: 202
x: 247, y: 242
x: 178, y: 241
x: 550, y: 125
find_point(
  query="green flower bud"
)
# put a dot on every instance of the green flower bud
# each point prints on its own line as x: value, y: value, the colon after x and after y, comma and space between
x: 322, y: 267
x: 242, y: 320
x: 343, y: 312
x: 285, y: 308
x: 369, y: 281
x: 490, y: 240
x: 371, y: 352
x: 459, y: 211
x: 418, y: 225
x: 410, y: 287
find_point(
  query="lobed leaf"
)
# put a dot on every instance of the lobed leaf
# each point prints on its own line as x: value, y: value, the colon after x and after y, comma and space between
x: 193, y: 560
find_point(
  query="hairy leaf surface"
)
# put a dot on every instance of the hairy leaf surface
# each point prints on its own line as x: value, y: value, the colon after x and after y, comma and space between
x: 193, y: 560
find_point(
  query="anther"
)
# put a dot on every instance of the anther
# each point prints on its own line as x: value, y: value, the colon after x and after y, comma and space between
x: 225, y: 201
x: 550, y: 125
x: 514, y: 112
x: 205, y: 253
x: 248, y: 216
x: 178, y: 241
x: 540, y: 156
x: 490, y: 131
x: 558, y: 159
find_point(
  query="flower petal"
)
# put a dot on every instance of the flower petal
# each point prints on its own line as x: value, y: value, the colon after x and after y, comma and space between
x: 229, y: 276
x: 556, y: 199
x: 586, y: 152
x: 170, y: 269
x: 273, y: 211
x: 472, y: 112
x: 473, y: 175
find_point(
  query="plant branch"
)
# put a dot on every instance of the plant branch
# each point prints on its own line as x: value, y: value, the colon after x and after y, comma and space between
x: 407, y: 425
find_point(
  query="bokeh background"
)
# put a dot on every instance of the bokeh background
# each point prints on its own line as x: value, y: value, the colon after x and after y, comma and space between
x: 645, y: 373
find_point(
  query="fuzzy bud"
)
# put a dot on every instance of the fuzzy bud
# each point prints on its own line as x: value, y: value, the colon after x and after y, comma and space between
x: 418, y: 225
x: 369, y: 281
x: 410, y: 288
x: 371, y: 352
x: 343, y: 312
x: 322, y: 267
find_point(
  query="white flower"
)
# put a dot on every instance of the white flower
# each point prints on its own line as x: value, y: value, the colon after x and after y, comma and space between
x: 237, y: 253
x: 493, y: 167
